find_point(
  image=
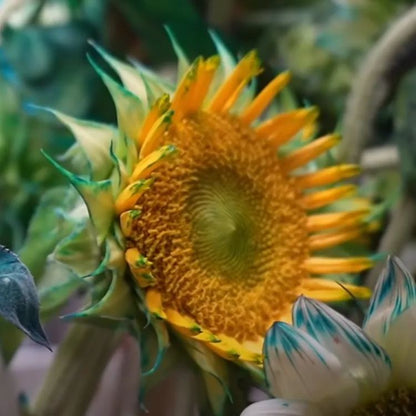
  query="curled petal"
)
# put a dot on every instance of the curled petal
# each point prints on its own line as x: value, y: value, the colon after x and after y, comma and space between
x: 395, y: 292
x: 297, y: 367
x: 280, y: 407
x: 366, y: 361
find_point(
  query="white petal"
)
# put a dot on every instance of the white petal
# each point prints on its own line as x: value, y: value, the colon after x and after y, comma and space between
x: 297, y: 367
x: 401, y: 346
x: 279, y: 407
x: 366, y: 361
x: 394, y: 293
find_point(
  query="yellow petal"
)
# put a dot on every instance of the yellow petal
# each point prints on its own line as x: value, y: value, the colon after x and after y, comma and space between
x: 331, y: 291
x: 154, y: 303
x: 321, y: 198
x: 263, y: 99
x: 328, y: 265
x: 327, y: 176
x: 319, y: 222
x: 309, y: 152
x: 326, y: 240
x: 153, y: 139
x: 130, y: 195
x: 140, y: 267
x: 127, y: 220
x: 160, y: 107
x: 246, y: 69
x: 281, y: 128
x: 151, y: 162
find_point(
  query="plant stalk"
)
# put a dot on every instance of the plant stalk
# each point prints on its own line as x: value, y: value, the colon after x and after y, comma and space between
x: 76, y: 371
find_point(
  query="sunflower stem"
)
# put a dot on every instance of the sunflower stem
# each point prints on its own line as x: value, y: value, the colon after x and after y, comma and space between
x: 76, y: 371
x: 390, y: 59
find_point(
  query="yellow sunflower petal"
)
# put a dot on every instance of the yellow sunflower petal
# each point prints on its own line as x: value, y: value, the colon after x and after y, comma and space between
x: 263, y: 99
x: 309, y: 152
x: 321, y: 198
x: 153, y: 139
x: 326, y: 240
x: 231, y: 349
x: 319, y: 222
x: 127, y: 221
x: 327, y: 176
x: 281, y: 128
x: 140, y: 267
x: 331, y: 291
x: 130, y: 195
x: 246, y: 69
x: 328, y: 265
x: 151, y: 162
x: 160, y: 107
x: 154, y: 303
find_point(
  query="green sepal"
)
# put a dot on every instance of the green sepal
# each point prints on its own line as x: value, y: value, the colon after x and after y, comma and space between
x: 94, y: 139
x: 58, y: 284
x: 155, y: 86
x: 163, y: 342
x: 116, y: 306
x: 47, y: 227
x: 79, y: 250
x: 130, y: 109
x: 97, y: 196
x: 228, y: 61
x: 131, y: 77
x: 216, y: 378
x: 183, y: 61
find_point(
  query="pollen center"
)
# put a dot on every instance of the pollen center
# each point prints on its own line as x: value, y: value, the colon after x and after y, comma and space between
x: 223, y: 223
x: 400, y: 402
x: 223, y: 228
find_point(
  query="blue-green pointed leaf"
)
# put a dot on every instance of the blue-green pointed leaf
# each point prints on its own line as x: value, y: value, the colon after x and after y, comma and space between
x: 116, y: 305
x: 58, y: 284
x: 47, y: 227
x: 19, y: 303
x: 130, y: 76
x: 94, y: 139
x: 79, y: 250
x: 129, y: 107
x: 97, y: 196
x: 162, y: 337
x: 183, y: 61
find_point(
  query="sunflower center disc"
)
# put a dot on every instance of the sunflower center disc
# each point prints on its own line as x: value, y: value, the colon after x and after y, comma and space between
x: 223, y: 228
x: 399, y: 402
x: 223, y: 225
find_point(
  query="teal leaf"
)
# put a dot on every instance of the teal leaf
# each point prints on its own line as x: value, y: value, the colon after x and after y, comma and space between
x: 183, y: 61
x: 130, y: 76
x: 94, y: 139
x: 130, y: 109
x: 97, y: 196
x: 19, y: 303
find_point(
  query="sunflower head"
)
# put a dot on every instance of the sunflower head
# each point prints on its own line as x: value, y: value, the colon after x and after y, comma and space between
x: 220, y: 229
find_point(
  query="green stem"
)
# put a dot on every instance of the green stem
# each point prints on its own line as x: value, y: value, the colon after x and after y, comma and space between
x: 76, y: 371
x: 388, y: 61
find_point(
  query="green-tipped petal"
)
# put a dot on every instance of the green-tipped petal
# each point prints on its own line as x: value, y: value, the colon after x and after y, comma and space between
x: 79, y: 250
x: 94, y: 139
x: 97, y: 196
x: 130, y: 109
x: 183, y: 62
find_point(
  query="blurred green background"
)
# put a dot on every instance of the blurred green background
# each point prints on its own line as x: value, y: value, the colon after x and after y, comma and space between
x: 43, y: 63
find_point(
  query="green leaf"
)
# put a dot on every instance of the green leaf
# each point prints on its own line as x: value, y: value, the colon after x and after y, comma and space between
x: 19, y: 303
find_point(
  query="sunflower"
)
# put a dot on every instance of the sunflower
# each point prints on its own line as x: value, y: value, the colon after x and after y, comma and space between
x: 221, y: 232
x: 327, y: 365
